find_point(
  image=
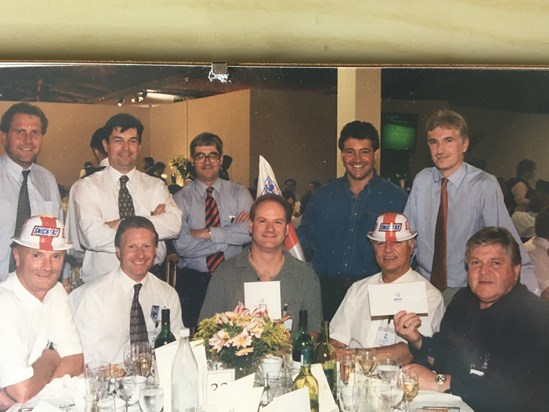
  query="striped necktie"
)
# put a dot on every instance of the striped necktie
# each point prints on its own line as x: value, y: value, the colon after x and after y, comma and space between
x: 212, y: 220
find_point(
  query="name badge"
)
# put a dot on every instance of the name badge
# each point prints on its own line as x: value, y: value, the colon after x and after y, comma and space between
x: 155, y: 310
x: 385, y: 336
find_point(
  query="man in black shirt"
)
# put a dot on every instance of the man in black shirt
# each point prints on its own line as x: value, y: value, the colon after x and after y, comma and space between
x: 493, y: 344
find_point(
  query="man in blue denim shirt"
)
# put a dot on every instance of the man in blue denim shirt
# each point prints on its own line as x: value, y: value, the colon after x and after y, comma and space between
x: 340, y: 213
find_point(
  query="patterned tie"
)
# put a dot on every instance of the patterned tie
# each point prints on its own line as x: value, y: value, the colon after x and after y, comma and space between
x: 212, y: 220
x: 125, y: 202
x: 138, y: 329
x: 23, y: 211
x: 439, y: 271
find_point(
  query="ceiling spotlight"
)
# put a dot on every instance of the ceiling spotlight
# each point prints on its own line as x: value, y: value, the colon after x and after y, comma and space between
x: 121, y: 101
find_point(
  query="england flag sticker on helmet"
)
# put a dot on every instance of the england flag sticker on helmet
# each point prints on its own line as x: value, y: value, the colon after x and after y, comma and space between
x: 392, y: 227
x: 43, y: 233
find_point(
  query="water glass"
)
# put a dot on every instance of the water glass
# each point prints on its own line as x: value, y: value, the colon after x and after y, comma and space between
x: 151, y: 398
x: 278, y: 383
x: 138, y: 359
x: 98, y: 375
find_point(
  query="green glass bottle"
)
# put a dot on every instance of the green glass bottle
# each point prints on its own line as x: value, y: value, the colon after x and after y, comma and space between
x: 306, y: 379
x: 301, y: 340
x: 325, y: 354
x: 165, y: 336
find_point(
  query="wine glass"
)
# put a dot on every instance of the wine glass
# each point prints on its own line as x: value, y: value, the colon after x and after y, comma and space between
x: 410, y: 384
x: 138, y: 359
x: 345, y: 383
x: 125, y: 387
x: 365, y: 361
x: 387, y: 368
x: 151, y: 398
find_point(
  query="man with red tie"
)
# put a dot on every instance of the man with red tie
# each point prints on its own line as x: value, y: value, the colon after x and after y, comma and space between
x: 215, y: 224
x: 452, y: 201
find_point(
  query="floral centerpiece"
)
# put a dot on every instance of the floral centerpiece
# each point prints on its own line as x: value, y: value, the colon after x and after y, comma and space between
x: 240, y: 339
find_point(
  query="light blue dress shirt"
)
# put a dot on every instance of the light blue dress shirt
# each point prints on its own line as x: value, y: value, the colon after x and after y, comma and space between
x: 43, y: 196
x: 231, y: 199
x: 475, y: 201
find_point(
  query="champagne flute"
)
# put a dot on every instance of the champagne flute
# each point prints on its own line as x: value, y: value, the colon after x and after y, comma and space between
x: 410, y: 385
x: 151, y: 398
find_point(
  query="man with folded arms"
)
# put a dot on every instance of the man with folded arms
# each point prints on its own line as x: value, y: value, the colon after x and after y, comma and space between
x: 353, y: 325
x: 102, y: 200
x: 122, y: 306
x: 266, y: 260
x: 39, y: 340
x: 493, y: 344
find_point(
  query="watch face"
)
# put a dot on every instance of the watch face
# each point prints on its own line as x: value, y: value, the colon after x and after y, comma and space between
x: 440, y: 379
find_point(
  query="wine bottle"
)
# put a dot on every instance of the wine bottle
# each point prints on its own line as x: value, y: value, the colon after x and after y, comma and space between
x: 306, y: 379
x: 301, y: 340
x: 165, y: 336
x: 325, y: 354
x: 184, y: 377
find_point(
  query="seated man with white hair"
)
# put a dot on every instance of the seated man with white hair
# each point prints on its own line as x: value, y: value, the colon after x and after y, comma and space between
x: 38, y: 336
x: 353, y: 325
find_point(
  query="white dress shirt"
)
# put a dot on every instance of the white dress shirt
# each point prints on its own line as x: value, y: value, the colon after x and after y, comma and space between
x: 102, y: 312
x: 353, y: 325
x: 28, y: 325
x: 96, y: 202
x: 43, y: 196
x: 538, y: 249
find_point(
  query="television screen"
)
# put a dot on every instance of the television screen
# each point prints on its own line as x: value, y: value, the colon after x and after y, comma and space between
x: 398, y: 131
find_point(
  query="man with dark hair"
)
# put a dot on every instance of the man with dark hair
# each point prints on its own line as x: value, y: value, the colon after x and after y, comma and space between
x: 103, y: 307
x: 39, y: 340
x: 148, y: 165
x: 493, y: 344
x: 104, y: 199
x: 266, y: 260
x: 215, y: 223
x: 450, y: 202
x: 27, y: 188
x: 96, y: 145
x: 538, y: 249
x: 340, y: 212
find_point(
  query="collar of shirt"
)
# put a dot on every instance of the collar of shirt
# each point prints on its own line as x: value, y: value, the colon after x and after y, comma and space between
x: 367, y: 187
x: 128, y: 283
x: 401, y: 279
x: 24, y: 296
x: 455, y: 178
x: 114, y: 175
x: 104, y: 162
x: 200, y: 187
x: 541, y: 242
x: 13, y: 168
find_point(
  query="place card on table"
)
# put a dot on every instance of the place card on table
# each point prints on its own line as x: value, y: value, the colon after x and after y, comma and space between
x: 388, y: 299
x: 236, y: 396
x: 258, y: 294
x: 295, y: 401
x: 325, y: 398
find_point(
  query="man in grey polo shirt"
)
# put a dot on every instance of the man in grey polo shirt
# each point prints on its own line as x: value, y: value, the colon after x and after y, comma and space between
x: 266, y: 260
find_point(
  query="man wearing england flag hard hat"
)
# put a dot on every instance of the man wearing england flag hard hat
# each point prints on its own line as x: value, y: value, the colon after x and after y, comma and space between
x: 352, y: 325
x: 39, y: 340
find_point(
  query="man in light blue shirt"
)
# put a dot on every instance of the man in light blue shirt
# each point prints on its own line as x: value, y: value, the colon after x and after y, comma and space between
x: 200, y: 241
x: 475, y: 201
x: 21, y: 133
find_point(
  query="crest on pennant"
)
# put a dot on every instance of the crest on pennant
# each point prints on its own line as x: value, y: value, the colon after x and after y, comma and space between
x: 270, y: 187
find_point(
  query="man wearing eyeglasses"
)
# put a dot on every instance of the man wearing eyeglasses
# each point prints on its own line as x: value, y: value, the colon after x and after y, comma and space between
x: 215, y: 224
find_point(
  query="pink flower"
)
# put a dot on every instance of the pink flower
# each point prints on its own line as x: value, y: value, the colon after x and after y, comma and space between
x: 219, y: 340
x: 240, y: 309
x: 242, y: 340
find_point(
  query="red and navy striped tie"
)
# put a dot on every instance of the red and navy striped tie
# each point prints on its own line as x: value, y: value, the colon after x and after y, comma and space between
x: 212, y: 220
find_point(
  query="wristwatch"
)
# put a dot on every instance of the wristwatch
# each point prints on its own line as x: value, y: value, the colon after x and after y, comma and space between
x: 440, y: 380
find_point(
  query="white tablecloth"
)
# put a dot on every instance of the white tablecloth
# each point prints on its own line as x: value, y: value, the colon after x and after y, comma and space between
x: 431, y: 399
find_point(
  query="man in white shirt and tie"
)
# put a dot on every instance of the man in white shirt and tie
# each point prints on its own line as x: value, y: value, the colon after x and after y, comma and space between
x: 26, y: 188
x: 104, y: 307
x: 103, y: 199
